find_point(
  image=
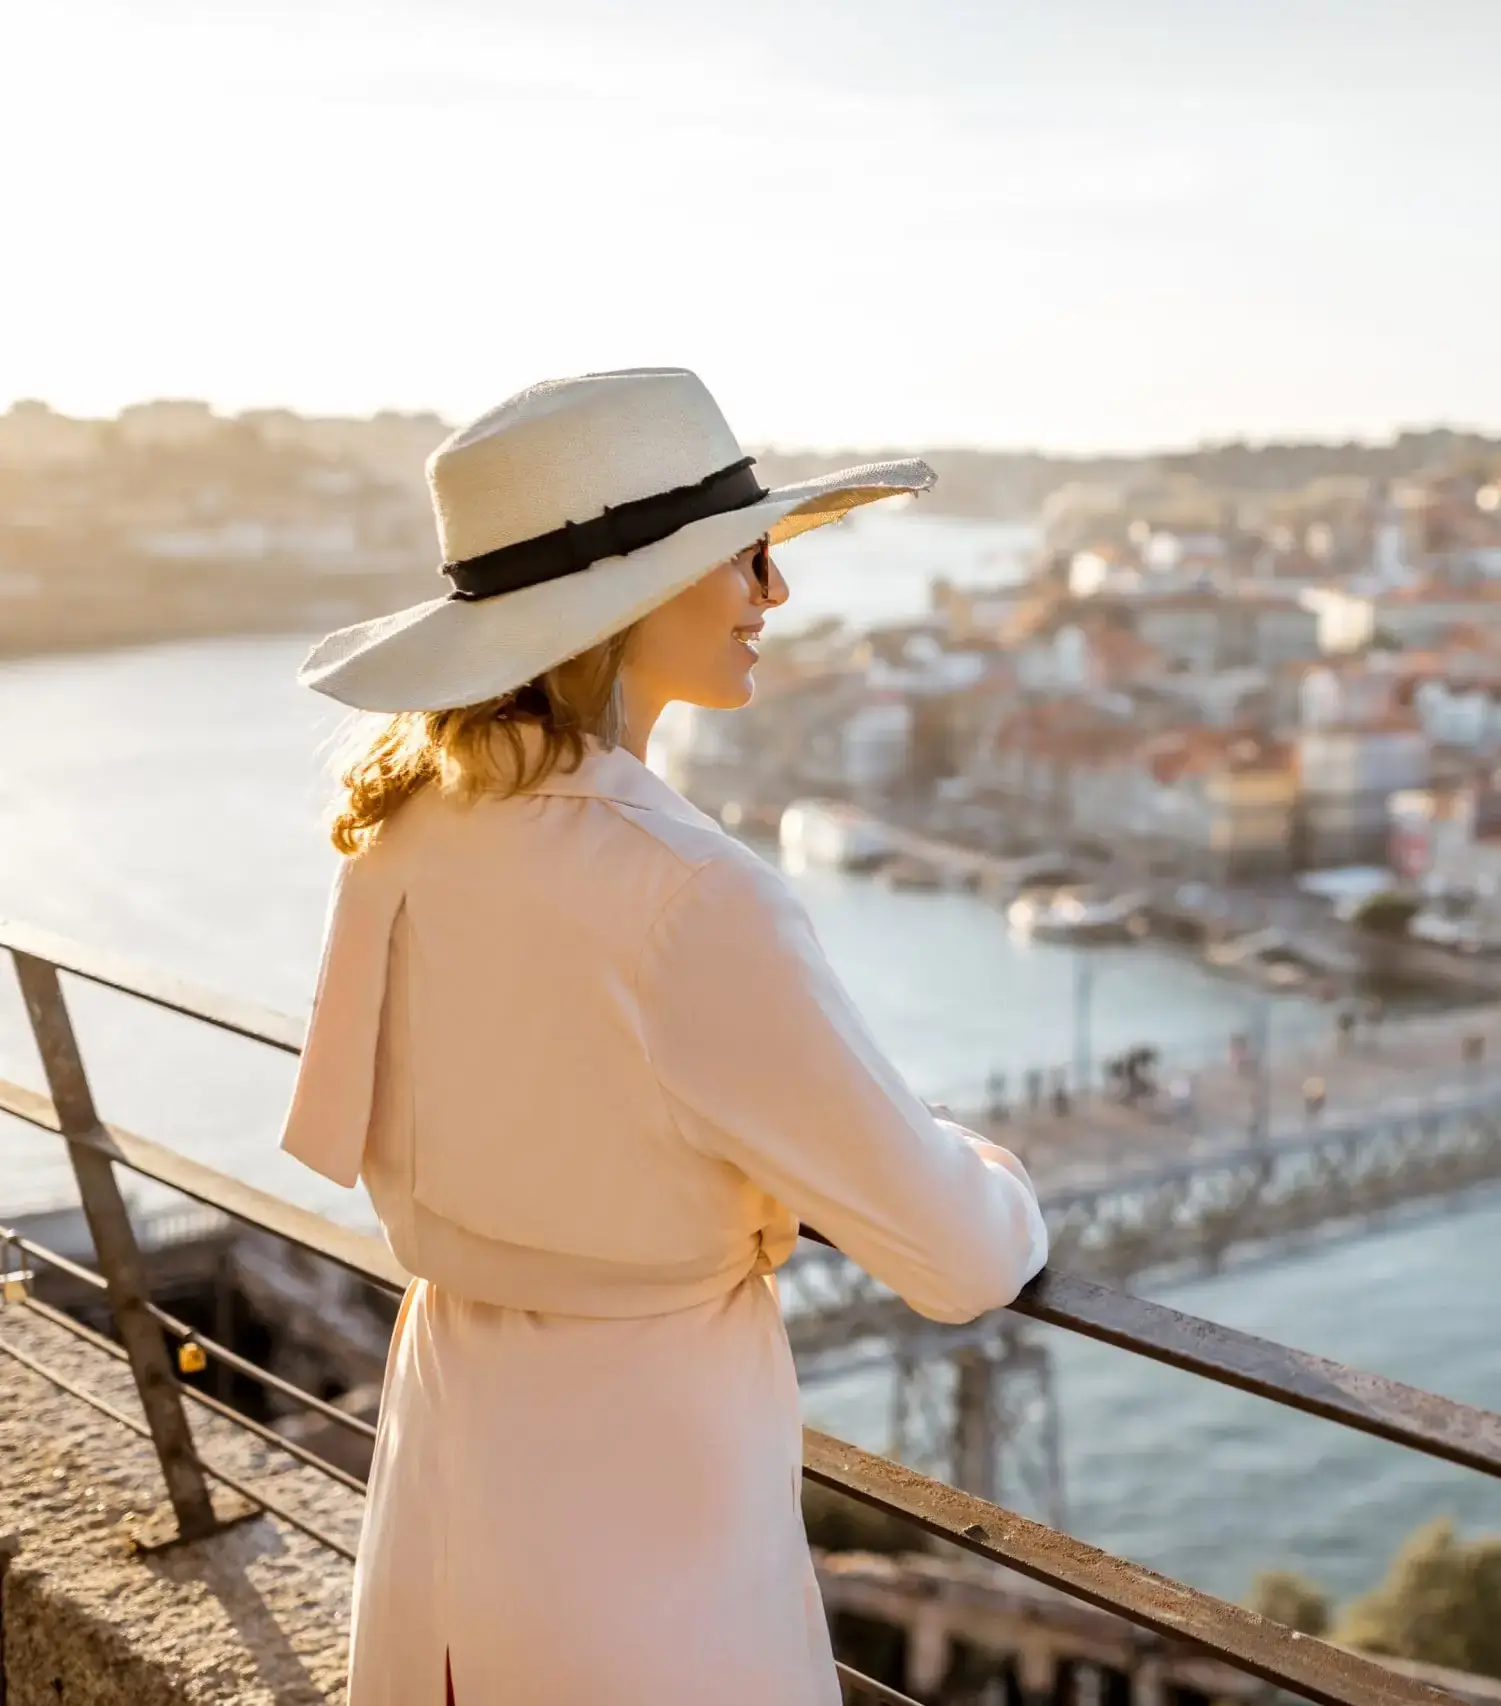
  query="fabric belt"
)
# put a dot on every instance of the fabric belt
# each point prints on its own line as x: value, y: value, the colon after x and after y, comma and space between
x: 615, y: 532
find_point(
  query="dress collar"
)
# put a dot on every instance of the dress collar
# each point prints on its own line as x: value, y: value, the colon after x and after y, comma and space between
x: 612, y: 773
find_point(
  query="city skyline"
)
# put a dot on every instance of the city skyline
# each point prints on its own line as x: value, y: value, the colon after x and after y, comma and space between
x: 1072, y: 229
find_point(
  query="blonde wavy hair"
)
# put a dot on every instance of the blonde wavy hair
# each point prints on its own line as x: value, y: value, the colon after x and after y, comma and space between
x: 479, y: 749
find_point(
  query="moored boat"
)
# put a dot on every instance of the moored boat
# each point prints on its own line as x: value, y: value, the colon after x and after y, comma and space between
x: 1067, y: 917
x: 908, y: 873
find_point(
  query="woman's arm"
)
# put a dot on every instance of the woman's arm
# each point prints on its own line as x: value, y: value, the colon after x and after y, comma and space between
x: 765, y: 1063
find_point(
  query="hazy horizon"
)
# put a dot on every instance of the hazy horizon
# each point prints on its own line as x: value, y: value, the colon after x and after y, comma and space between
x: 1076, y: 228
x: 788, y: 448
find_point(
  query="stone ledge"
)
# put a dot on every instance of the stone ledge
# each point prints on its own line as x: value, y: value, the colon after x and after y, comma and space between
x: 255, y: 1615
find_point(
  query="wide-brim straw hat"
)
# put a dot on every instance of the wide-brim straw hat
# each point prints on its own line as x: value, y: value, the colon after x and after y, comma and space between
x: 564, y: 516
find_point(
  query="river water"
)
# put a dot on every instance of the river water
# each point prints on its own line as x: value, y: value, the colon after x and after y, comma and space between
x: 163, y: 804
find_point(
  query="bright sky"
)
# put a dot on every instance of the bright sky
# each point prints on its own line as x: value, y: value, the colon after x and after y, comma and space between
x: 1069, y: 224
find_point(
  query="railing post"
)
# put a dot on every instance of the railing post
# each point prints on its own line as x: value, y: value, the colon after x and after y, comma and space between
x: 115, y: 1245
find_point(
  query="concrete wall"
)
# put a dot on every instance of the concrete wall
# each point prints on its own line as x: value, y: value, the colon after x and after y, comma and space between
x: 257, y: 1614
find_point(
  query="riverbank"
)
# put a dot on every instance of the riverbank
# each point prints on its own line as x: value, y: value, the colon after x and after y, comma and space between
x: 264, y: 600
x: 1276, y: 939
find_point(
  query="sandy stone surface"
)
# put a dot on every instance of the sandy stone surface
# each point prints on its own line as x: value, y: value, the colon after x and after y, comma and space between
x: 256, y: 1614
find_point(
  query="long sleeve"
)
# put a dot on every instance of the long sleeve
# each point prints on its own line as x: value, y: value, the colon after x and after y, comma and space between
x: 766, y: 1064
x: 327, y: 1122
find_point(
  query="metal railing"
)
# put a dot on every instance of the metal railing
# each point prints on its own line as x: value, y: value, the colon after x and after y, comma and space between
x: 1387, y: 1409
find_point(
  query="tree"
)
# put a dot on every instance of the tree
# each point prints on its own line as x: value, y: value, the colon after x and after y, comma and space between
x: 1385, y: 914
x: 1438, y: 1604
x: 1290, y: 1599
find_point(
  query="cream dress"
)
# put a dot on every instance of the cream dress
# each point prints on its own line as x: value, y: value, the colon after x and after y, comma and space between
x: 593, y: 1067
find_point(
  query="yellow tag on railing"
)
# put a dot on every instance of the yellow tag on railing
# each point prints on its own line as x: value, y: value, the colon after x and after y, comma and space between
x: 191, y: 1358
x: 15, y: 1287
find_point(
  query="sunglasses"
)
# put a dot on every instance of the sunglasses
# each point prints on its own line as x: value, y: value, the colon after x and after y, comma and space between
x: 761, y: 567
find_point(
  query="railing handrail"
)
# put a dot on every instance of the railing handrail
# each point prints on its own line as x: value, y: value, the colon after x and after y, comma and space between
x: 1243, y: 1639
x: 176, y: 995
x: 362, y: 1253
x: 1369, y: 1403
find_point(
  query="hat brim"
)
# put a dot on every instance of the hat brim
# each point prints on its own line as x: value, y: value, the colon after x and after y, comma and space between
x: 451, y: 652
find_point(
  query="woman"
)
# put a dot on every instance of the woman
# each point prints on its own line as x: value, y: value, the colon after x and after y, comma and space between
x: 593, y: 1068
